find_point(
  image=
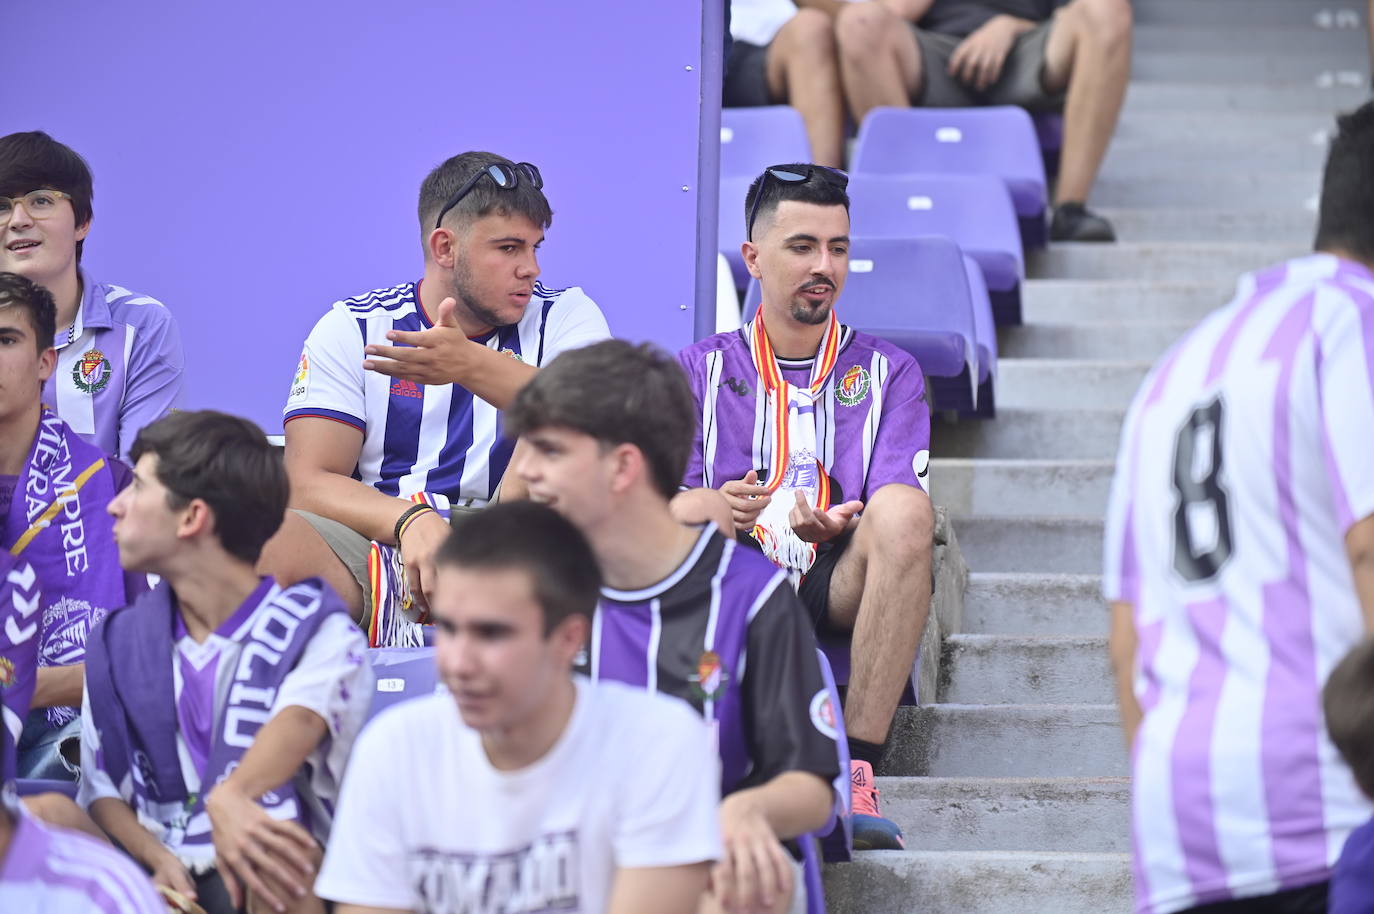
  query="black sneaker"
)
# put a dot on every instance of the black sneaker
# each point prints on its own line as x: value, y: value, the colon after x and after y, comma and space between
x: 1075, y: 222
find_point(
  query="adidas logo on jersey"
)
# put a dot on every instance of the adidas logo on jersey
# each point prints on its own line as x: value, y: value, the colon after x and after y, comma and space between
x: 403, y: 388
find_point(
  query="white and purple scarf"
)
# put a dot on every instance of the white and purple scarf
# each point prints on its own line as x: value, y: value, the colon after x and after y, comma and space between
x: 129, y: 682
x: 58, y: 523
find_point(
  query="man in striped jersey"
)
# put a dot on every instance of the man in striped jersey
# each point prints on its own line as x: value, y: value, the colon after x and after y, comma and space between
x: 119, y: 360
x: 818, y: 435
x: 1239, y: 564
x: 606, y: 432
x: 393, y: 418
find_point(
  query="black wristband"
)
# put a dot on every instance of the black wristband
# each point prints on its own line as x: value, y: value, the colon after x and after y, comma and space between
x: 406, y: 515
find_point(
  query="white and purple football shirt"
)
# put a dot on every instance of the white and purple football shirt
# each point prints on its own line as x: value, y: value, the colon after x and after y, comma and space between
x: 436, y: 438
x: 119, y: 369
x: 1244, y: 460
x: 872, y: 419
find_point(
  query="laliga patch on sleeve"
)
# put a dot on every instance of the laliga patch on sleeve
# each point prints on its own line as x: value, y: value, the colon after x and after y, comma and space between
x: 300, y: 384
x: 823, y: 714
x: 920, y: 464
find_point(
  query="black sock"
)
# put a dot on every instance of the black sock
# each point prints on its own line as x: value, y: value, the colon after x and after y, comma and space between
x: 864, y: 751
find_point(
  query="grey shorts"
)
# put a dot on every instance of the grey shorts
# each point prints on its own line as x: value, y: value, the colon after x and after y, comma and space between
x: 746, y: 77
x: 1018, y: 85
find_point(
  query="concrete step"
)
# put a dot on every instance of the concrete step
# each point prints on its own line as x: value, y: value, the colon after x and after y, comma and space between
x: 1191, y: 128
x: 1297, y: 226
x: 1157, y: 261
x: 1202, y: 96
x: 1048, y: 434
x: 1238, y: 189
x: 980, y: 882
x: 1231, y: 38
x: 1025, y: 669
x: 1025, y: 603
x: 1059, y: 545
x: 1006, y: 741
x: 1137, y: 342
x: 1087, y: 815
x: 1347, y: 65
x: 1067, y: 383
x: 1024, y: 487
x: 1213, y: 155
x: 1069, y: 301
x: 1251, y: 13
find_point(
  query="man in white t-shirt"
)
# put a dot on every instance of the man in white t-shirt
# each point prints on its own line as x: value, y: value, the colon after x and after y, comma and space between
x: 547, y: 792
x: 393, y: 417
x: 219, y: 708
x: 1239, y: 562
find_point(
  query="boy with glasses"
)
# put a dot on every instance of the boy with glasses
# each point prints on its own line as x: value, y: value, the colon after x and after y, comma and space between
x: 119, y: 361
x: 393, y: 419
x: 818, y: 436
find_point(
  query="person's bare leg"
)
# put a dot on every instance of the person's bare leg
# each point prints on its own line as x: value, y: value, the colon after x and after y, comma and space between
x: 1089, y: 51
x: 881, y: 590
x: 700, y: 506
x: 60, y: 810
x: 880, y: 61
x: 803, y: 70
x: 297, y: 552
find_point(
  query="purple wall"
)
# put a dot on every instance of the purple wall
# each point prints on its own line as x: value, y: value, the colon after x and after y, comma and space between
x: 255, y: 162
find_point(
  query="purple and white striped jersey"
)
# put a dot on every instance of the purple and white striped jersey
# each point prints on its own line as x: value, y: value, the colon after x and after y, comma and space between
x: 119, y: 369
x: 1244, y: 460
x: 872, y: 419
x: 54, y: 871
x: 19, y: 628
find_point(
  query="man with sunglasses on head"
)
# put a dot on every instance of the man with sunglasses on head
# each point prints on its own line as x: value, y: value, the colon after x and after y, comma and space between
x: 818, y: 436
x: 393, y: 419
x: 119, y: 360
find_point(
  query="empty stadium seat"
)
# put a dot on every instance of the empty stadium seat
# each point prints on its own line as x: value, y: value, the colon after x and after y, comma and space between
x: 730, y: 226
x: 402, y: 673
x: 914, y: 293
x: 1049, y: 130
x: 997, y: 140
x: 975, y: 211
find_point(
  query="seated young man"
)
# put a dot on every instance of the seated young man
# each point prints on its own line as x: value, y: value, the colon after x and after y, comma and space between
x: 818, y: 435
x: 606, y: 432
x: 54, y: 489
x: 119, y: 361
x: 394, y: 414
x: 219, y: 708
x: 45, y: 869
x: 509, y: 822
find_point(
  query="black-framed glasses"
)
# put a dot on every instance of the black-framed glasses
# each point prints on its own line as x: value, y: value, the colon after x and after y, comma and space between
x: 787, y: 174
x: 502, y: 175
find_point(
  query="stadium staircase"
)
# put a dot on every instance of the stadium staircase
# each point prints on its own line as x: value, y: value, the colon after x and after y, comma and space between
x: 1010, y: 781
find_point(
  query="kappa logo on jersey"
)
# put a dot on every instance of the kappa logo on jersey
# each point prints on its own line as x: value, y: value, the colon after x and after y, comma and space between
x: 404, y: 388
x: 710, y: 678
x: 542, y: 877
x: 853, y: 387
x: 823, y: 714
x: 300, y: 384
x: 92, y: 371
x: 7, y: 674
x: 736, y: 385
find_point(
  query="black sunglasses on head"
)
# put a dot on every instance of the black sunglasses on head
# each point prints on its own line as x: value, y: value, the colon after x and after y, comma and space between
x: 502, y: 175
x: 789, y: 175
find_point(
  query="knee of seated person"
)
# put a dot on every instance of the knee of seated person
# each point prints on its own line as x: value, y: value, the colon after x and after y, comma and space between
x: 700, y: 506
x: 809, y: 30
x: 1105, y: 21
x: 902, y: 511
x: 862, y: 28
x: 56, y: 809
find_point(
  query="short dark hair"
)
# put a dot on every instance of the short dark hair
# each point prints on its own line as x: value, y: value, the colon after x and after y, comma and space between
x: 227, y: 462
x: 485, y: 197
x: 535, y: 539
x: 618, y: 393
x: 28, y: 296
x: 1346, y: 219
x: 1348, y: 702
x: 817, y: 190
x: 33, y: 159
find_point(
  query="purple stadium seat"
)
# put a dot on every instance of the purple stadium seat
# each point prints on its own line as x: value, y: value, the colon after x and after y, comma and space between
x: 730, y: 225
x: 751, y: 139
x: 28, y: 787
x: 998, y: 140
x: 975, y: 211
x: 914, y: 293
x: 985, y: 333
x: 402, y: 673
x: 1049, y: 130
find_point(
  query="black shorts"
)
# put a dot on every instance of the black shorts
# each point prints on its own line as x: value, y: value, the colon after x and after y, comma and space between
x: 815, y: 584
x: 746, y: 77
x: 1307, y: 899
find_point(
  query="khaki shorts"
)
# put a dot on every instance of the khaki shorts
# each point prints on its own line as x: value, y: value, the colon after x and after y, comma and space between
x: 1018, y: 85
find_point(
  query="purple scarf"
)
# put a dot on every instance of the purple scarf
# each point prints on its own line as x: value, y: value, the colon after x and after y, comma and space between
x: 57, y: 522
x: 133, y: 705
